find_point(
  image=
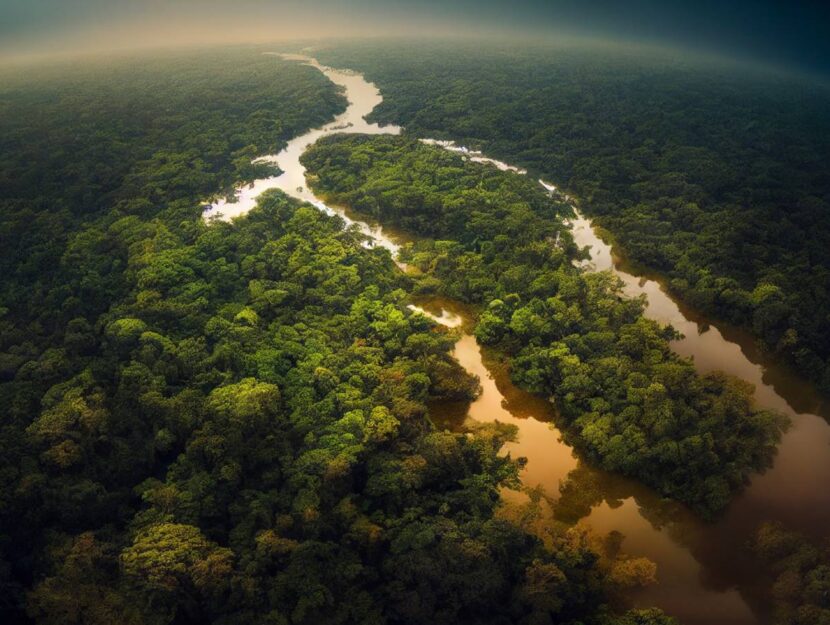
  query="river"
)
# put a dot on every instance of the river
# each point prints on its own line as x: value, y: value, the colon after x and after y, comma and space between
x: 704, y: 572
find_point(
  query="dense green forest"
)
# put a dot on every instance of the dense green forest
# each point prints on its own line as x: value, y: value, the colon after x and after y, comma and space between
x: 799, y: 569
x: 227, y: 423
x: 715, y: 176
x: 497, y: 240
x: 81, y: 147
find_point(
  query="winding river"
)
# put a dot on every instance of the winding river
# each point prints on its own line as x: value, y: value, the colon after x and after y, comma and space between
x: 704, y: 572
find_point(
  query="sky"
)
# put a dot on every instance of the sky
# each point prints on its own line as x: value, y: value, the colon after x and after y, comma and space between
x: 792, y: 34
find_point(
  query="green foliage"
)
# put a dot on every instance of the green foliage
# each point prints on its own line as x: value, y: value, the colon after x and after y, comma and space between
x: 625, y: 399
x: 90, y: 154
x: 79, y: 592
x: 799, y: 572
x: 227, y: 423
x: 714, y: 176
x: 175, y: 563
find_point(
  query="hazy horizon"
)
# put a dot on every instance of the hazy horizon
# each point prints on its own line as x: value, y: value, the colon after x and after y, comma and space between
x: 787, y: 36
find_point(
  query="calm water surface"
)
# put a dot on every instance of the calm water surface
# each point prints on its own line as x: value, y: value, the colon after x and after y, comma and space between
x: 704, y: 572
x: 362, y: 97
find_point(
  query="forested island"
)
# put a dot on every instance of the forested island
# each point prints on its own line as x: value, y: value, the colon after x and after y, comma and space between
x: 715, y: 176
x: 496, y: 240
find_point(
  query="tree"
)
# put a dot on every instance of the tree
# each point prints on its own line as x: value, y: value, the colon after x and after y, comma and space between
x: 176, y: 565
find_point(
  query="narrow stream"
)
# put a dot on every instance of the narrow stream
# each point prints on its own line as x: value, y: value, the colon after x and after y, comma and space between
x: 363, y: 97
x: 704, y: 574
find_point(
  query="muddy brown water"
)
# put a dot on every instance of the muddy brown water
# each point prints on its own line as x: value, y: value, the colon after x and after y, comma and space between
x: 705, y: 574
